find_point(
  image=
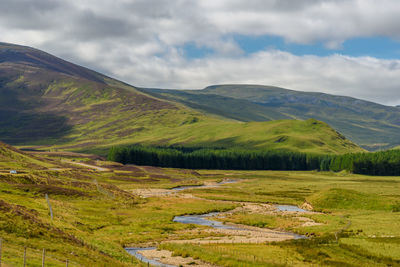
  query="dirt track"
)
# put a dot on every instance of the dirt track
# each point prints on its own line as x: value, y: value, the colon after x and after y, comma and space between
x: 93, y: 167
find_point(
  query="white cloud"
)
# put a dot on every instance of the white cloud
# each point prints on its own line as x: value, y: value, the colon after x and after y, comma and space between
x: 140, y: 41
x: 362, y: 77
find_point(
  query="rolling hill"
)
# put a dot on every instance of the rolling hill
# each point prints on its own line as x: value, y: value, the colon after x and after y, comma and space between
x: 371, y: 125
x: 50, y: 102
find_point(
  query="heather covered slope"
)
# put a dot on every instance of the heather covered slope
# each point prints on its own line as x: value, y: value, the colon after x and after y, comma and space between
x: 48, y: 101
x: 13, y: 159
x: 371, y: 125
x: 93, y: 217
x: 45, y: 99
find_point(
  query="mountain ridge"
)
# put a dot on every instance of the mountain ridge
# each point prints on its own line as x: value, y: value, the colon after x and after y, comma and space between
x: 367, y: 123
x: 50, y: 102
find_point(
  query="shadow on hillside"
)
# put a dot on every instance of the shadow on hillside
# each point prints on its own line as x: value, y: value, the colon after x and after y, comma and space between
x: 20, y: 127
x: 21, y: 124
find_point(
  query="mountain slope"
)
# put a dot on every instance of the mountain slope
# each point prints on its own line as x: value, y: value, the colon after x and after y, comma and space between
x: 75, y: 200
x: 45, y: 100
x: 14, y: 159
x: 371, y: 125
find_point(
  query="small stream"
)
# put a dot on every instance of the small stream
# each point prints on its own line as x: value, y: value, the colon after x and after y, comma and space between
x: 156, y: 262
x: 203, y: 219
x: 206, y: 220
x: 290, y: 208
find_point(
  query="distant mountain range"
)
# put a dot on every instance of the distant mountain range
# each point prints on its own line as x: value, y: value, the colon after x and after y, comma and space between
x: 372, y: 126
x: 48, y: 102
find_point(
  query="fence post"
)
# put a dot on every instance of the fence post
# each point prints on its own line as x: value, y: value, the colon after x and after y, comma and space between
x: 66, y: 263
x: 1, y: 246
x: 48, y: 203
x: 43, y: 255
x: 24, y: 256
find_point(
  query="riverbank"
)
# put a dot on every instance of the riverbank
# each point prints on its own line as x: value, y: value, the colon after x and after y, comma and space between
x: 219, y: 232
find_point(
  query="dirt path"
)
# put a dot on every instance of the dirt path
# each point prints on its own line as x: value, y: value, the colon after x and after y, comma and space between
x: 67, y: 154
x: 93, y: 167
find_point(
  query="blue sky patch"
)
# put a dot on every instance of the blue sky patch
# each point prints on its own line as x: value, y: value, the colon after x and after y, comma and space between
x: 378, y: 47
x: 194, y: 51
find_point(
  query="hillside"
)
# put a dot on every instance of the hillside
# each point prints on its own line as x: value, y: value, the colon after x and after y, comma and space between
x: 13, y: 159
x: 50, y: 102
x: 371, y: 125
x: 87, y: 206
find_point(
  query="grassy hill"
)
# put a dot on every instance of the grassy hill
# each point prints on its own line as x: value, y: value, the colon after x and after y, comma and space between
x: 371, y: 125
x: 47, y: 101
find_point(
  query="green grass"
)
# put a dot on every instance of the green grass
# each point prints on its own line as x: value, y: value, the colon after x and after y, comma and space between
x: 336, y: 198
x: 264, y: 220
x: 238, y: 254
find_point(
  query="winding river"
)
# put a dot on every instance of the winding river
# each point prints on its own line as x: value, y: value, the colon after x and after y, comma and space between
x: 206, y: 220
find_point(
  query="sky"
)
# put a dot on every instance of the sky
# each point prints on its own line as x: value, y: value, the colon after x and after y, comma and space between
x: 344, y: 47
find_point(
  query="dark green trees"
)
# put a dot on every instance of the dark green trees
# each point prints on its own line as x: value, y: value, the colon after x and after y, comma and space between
x: 378, y: 163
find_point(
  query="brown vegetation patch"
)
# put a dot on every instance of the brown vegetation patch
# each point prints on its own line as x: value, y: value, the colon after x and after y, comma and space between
x: 128, y: 132
x: 130, y: 168
x: 125, y: 178
x: 85, y: 144
x: 152, y: 169
x: 20, y: 179
x: 135, y: 174
x: 37, y: 226
x: 84, y: 185
x: 159, y: 176
x: 50, y: 189
x: 119, y: 192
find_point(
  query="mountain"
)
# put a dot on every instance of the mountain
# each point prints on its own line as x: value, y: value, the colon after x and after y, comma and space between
x: 50, y: 102
x: 371, y: 125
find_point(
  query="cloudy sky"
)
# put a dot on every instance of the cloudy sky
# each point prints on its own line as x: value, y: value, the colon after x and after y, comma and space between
x: 346, y: 47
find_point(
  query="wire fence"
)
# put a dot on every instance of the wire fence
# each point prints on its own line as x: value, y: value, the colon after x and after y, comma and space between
x: 25, y: 260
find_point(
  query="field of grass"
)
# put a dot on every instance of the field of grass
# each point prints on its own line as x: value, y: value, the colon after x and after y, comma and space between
x: 96, y: 214
x: 360, y: 210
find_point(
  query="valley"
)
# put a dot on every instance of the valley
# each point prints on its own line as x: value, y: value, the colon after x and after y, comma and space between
x: 99, y: 213
x: 232, y: 175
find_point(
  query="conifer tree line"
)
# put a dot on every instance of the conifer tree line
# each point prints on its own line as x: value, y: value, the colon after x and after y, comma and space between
x: 378, y: 163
